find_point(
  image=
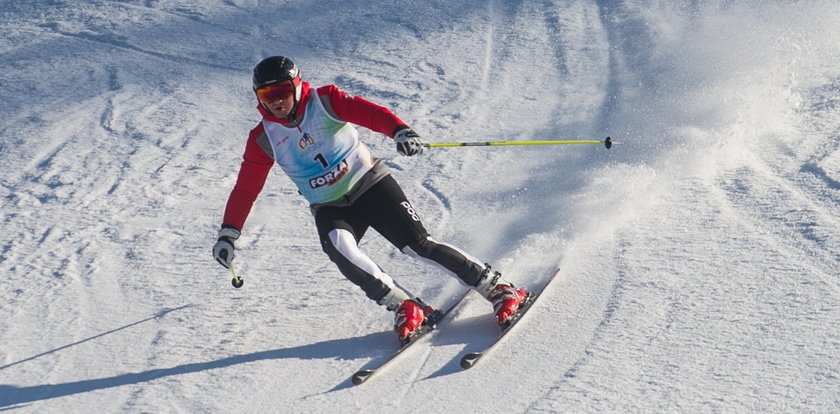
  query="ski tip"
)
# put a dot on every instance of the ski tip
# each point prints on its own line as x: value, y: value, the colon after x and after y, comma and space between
x: 361, y: 376
x: 469, y: 360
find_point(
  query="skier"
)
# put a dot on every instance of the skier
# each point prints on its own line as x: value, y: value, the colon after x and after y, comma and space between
x: 308, y: 133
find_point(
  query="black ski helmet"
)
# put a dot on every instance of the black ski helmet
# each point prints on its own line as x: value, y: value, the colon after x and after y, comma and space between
x: 276, y: 69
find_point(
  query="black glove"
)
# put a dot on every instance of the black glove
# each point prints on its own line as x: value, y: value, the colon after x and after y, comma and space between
x: 408, y: 142
x: 223, y: 249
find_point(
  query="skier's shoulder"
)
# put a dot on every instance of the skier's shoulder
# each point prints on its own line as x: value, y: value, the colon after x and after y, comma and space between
x: 257, y: 138
x: 334, y: 100
x: 330, y: 90
x: 257, y: 133
x: 332, y: 95
x: 258, y: 130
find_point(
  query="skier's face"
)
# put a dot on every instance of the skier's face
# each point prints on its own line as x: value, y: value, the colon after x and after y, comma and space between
x: 281, y: 107
x: 278, y: 98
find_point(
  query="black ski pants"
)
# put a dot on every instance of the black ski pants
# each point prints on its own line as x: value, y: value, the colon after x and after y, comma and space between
x: 385, y: 208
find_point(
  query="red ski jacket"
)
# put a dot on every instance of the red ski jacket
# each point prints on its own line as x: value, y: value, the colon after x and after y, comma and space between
x: 257, y: 160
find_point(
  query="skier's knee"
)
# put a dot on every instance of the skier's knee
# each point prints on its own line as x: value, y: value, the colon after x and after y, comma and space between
x: 374, y: 287
x: 422, y: 248
x: 328, y: 248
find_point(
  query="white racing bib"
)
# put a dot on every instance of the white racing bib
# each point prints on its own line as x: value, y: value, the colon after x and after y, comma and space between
x: 322, y: 156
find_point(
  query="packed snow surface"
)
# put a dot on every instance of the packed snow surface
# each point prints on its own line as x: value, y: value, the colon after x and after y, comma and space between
x: 699, y: 259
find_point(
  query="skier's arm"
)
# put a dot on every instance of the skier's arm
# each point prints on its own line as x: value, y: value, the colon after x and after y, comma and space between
x: 252, y: 175
x: 360, y: 111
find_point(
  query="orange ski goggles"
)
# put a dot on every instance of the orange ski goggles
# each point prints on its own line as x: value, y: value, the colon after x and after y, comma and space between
x: 272, y: 93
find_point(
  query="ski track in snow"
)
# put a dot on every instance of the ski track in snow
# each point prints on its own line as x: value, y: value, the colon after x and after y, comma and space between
x: 699, y: 259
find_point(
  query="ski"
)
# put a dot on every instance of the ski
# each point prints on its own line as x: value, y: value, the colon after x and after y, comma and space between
x: 431, y: 322
x: 469, y: 360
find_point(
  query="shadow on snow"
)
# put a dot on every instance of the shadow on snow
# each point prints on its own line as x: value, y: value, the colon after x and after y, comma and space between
x: 347, y: 348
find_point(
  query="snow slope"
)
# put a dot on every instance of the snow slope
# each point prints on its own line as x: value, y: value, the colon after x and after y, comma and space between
x: 699, y: 259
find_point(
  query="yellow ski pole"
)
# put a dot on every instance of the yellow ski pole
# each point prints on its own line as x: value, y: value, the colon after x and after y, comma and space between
x: 607, y: 143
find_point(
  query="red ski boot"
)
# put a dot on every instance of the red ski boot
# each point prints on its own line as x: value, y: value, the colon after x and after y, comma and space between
x: 410, y: 315
x: 506, y: 300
